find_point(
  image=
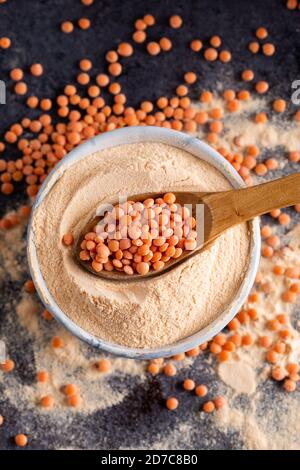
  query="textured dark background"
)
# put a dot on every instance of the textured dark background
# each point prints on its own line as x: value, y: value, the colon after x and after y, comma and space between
x: 34, y: 29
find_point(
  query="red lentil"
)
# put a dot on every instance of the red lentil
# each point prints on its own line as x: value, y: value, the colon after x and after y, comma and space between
x: 104, y: 365
x: 201, y: 391
x: 188, y: 385
x: 175, y: 21
x: 21, y: 440
x: 208, y: 407
x: 172, y: 403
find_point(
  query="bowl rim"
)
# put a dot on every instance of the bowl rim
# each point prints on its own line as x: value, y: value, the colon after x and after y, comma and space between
x: 132, y: 135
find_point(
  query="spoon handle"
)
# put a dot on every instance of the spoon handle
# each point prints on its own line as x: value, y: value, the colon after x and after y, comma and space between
x: 234, y: 207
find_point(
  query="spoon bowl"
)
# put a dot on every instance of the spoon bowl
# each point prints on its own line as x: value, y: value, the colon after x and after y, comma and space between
x: 183, y: 198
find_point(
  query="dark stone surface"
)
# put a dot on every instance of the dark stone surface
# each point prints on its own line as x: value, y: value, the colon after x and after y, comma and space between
x: 34, y: 28
x: 140, y: 419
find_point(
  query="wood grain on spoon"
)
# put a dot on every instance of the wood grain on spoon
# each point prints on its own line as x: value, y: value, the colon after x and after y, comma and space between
x: 222, y: 210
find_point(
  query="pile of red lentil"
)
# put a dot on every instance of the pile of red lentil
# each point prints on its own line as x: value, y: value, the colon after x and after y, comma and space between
x: 135, y: 236
x: 75, y: 116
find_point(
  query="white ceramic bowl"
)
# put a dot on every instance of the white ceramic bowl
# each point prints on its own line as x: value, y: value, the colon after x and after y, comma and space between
x: 133, y: 135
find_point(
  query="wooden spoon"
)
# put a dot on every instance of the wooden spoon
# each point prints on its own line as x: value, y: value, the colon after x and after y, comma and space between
x: 222, y: 210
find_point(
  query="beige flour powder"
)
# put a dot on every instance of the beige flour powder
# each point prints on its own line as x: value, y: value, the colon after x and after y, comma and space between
x: 156, y: 312
x: 266, y: 424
